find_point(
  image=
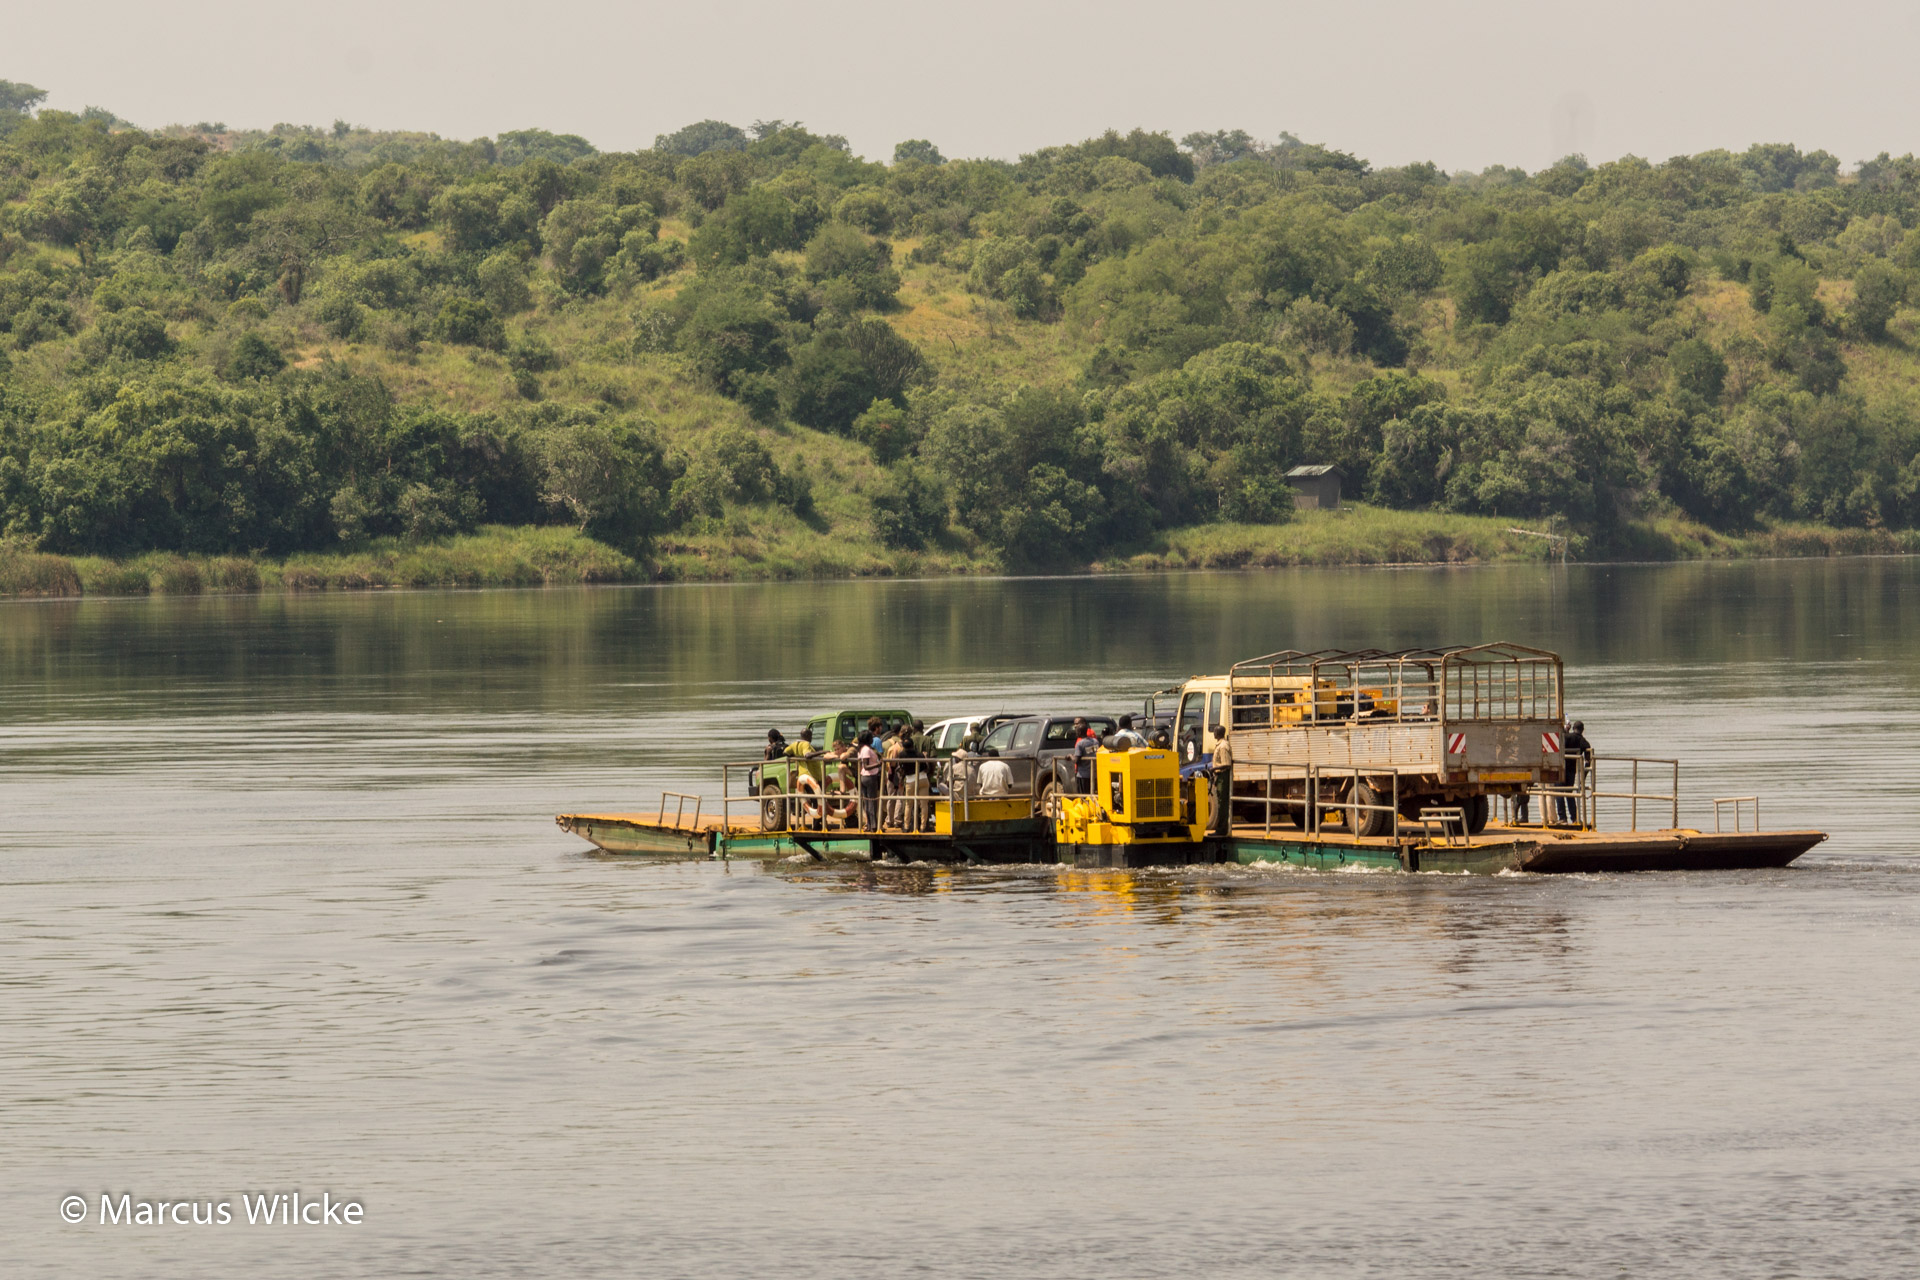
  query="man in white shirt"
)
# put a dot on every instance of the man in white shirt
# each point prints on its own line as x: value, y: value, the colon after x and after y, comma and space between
x: 996, y: 779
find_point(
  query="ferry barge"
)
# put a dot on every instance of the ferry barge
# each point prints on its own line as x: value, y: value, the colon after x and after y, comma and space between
x: 1499, y: 847
x: 1422, y: 760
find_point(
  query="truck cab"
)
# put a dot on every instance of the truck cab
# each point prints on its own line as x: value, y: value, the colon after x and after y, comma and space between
x: 1202, y: 704
x: 1205, y: 701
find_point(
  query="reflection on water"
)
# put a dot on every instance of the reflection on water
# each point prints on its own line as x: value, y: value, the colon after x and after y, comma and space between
x: 283, y: 907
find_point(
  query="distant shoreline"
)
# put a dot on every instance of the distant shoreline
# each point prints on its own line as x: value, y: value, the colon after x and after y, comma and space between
x: 501, y: 556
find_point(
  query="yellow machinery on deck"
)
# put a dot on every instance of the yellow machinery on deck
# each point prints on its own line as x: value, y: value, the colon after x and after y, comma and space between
x: 1141, y: 813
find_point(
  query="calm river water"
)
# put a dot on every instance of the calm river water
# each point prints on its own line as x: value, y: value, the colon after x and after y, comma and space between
x: 282, y: 907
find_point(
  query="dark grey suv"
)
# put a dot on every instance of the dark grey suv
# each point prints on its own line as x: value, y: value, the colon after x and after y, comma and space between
x: 1031, y: 744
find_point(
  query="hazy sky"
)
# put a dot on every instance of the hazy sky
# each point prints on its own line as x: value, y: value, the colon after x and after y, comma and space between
x: 1465, y: 84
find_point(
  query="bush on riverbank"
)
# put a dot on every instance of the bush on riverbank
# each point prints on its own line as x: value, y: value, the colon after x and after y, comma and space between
x: 505, y: 556
x: 1674, y: 538
x: 30, y: 573
x: 1350, y: 536
x: 496, y: 556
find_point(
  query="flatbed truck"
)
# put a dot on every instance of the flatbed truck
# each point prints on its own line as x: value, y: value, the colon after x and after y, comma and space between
x: 1357, y: 735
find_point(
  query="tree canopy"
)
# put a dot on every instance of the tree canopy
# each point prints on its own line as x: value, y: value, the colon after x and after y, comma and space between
x: 268, y: 340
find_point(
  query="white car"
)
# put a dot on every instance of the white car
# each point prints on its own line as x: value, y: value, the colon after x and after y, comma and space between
x: 948, y: 734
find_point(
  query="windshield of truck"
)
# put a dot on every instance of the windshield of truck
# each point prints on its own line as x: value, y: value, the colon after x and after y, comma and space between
x: 1190, y: 707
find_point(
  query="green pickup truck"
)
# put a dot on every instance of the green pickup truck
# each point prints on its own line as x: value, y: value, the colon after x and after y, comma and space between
x: 779, y: 779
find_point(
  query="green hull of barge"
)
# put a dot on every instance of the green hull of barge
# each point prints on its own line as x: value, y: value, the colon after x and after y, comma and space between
x: 1333, y: 856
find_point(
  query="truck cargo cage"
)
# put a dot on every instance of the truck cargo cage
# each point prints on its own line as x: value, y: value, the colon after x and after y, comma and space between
x: 1480, y: 682
x: 1449, y: 711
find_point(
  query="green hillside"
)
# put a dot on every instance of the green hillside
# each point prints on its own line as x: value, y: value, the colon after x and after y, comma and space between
x: 393, y: 357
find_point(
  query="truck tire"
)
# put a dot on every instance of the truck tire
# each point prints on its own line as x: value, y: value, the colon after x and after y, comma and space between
x: 1047, y: 800
x: 1477, y: 810
x: 773, y: 807
x: 1367, y: 822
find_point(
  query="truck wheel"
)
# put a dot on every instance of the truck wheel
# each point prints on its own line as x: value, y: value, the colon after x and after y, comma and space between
x: 1047, y: 800
x: 1367, y: 822
x: 1477, y: 810
x: 773, y: 807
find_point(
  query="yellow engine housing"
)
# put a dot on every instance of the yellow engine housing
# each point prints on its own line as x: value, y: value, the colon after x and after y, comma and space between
x: 1138, y: 798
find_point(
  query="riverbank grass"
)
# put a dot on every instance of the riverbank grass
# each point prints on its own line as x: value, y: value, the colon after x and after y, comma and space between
x: 494, y: 556
x: 1351, y: 535
x: 775, y: 545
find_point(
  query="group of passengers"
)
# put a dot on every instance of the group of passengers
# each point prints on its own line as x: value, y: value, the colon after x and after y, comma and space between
x: 852, y: 774
x: 888, y: 775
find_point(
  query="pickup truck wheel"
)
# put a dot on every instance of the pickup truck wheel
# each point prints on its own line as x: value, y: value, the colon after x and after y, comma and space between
x: 1048, y: 800
x: 1367, y: 822
x: 1477, y: 810
x: 773, y: 807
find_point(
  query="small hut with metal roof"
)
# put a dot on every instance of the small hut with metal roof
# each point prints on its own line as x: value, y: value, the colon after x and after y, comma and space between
x: 1316, y: 488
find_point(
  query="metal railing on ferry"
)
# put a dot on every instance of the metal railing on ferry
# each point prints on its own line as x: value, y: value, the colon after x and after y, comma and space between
x: 1740, y: 805
x: 680, y: 810
x: 821, y: 793
x: 1576, y: 805
x: 1325, y: 789
x: 823, y: 790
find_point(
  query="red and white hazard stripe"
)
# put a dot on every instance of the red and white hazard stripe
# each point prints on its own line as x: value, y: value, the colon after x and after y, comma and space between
x: 1456, y: 744
x: 1550, y: 744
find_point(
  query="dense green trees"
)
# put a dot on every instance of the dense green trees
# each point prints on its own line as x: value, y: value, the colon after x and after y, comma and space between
x: 179, y: 460
x: 1725, y: 335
